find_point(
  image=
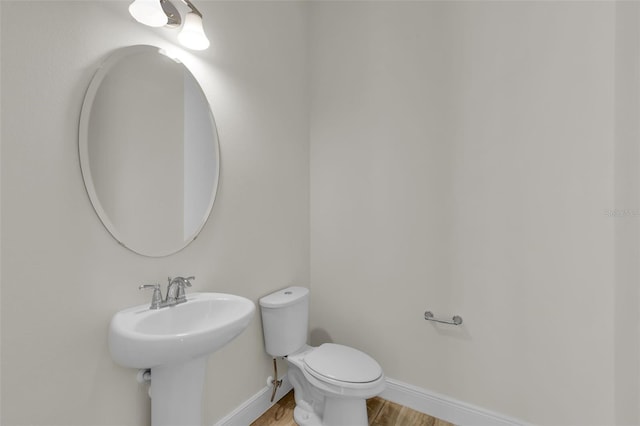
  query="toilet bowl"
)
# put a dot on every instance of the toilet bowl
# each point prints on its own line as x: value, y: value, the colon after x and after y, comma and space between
x: 334, y: 382
x: 331, y: 382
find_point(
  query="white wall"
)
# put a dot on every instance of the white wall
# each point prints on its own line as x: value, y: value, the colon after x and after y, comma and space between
x: 462, y: 159
x: 63, y: 276
x: 463, y: 156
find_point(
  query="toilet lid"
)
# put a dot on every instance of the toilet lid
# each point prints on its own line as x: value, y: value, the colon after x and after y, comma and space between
x: 342, y: 363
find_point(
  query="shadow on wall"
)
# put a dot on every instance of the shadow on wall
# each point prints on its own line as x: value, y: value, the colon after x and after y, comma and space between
x: 319, y: 336
x: 460, y: 332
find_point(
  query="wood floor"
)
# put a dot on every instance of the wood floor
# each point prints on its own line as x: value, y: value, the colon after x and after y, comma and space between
x: 381, y: 413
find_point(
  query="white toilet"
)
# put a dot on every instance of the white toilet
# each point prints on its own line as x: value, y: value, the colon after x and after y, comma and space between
x: 331, y: 382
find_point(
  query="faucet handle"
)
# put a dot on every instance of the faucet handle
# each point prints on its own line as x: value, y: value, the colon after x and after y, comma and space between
x: 156, y: 299
x: 153, y: 286
x: 180, y: 294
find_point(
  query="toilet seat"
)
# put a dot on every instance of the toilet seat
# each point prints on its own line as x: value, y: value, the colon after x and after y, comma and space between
x: 341, y: 365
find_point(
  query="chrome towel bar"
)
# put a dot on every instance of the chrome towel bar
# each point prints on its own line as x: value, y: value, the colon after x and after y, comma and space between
x: 456, y: 320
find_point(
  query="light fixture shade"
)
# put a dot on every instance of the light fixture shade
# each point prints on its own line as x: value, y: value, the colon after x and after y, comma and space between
x: 148, y: 12
x: 192, y: 34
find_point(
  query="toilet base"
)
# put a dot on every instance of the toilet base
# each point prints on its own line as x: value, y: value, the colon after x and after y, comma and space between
x: 304, y: 417
x: 337, y: 412
x: 345, y: 411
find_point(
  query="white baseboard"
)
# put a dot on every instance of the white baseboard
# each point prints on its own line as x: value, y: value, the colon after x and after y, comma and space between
x: 255, y: 406
x: 425, y: 401
x: 444, y: 407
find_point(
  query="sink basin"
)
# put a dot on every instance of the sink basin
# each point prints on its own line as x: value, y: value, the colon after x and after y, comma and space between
x: 140, y: 337
x: 174, y: 343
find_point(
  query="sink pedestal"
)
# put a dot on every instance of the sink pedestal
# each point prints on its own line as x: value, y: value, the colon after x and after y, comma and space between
x: 176, y: 393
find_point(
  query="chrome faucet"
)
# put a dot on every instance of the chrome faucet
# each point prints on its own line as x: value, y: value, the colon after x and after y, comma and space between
x: 175, y: 292
x: 156, y: 299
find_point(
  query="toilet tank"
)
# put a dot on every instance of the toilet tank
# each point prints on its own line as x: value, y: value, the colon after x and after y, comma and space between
x: 285, y: 320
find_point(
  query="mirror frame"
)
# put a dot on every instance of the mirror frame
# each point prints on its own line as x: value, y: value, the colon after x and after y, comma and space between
x: 83, y: 148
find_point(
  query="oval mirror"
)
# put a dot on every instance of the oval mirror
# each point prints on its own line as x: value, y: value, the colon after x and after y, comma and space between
x: 148, y: 151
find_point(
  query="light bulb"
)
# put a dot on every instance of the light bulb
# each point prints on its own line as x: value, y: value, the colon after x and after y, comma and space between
x: 192, y: 34
x: 148, y: 12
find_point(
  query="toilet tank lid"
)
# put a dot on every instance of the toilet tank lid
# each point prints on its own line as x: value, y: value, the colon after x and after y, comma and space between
x: 285, y: 297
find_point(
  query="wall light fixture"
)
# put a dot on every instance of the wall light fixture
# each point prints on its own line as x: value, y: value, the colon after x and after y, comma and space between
x: 162, y: 13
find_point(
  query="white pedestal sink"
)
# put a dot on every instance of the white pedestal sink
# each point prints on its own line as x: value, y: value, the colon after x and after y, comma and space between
x: 174, y: 343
